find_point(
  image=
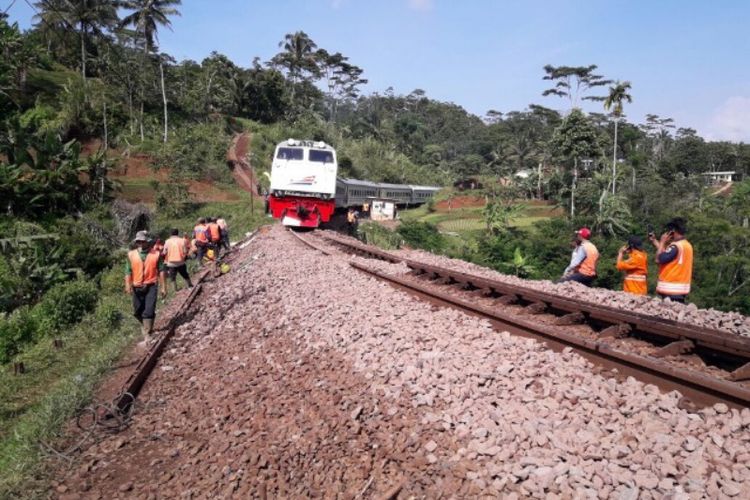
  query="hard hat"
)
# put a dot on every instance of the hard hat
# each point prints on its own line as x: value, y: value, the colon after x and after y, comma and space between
x: 141, y: 236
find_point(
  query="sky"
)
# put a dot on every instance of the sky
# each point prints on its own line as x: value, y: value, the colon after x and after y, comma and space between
x: 686, y: 59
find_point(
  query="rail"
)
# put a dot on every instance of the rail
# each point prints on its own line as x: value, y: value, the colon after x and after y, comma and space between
x: 679, y: 338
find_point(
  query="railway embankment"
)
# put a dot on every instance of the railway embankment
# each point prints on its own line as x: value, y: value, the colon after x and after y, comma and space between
x: 295, y: 375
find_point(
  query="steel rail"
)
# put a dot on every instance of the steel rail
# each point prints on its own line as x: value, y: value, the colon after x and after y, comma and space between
x: 133, y: 385
x: 698, y: 388
x: 711, y: 339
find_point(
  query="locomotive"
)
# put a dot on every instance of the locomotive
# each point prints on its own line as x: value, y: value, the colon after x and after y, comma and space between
x: 303, y: 183
x: 305, y: 190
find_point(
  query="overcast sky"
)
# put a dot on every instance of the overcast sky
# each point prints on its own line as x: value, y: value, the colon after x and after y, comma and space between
x: 686, y: 59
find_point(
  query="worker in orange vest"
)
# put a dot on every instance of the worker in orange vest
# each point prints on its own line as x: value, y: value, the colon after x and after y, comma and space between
x: 674, y: 254
x: 633, y: 260
x: 200, y: 235
x: 214, y: 235
x: 144, y: 273
x: 582, y: 267
x: 175, y: 254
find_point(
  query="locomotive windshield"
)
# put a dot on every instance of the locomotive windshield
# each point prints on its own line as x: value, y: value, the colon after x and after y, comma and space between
x: 321, y: 156
x: 290, y: 154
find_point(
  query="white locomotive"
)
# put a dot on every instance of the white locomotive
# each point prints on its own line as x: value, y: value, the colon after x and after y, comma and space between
x: 303, y: 183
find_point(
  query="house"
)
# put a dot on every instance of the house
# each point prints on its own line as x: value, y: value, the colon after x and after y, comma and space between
x: 714, y: 178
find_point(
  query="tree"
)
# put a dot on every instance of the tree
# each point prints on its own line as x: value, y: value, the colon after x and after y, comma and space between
x: 613, y: 103
x: 146, y: 18
x: 90, y: 17
x: 575, y: 138
x: 298, y: 58
x: 573, y: 82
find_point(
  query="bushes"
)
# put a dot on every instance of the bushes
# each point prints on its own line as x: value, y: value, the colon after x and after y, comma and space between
x: 17, y: 329
x: 422, y: 235
x: 65, y: 304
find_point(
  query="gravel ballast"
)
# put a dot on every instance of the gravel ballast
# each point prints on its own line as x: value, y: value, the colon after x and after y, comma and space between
x: 299, y: 376
x: 732, y: 322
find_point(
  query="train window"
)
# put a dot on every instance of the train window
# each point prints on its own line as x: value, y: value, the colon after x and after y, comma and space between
x: 290, y: 154
x: 321, y: 156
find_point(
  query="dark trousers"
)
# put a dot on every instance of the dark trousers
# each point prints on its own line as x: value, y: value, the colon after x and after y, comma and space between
x: 674, y: 298
x: 202, y: 249
x: 144, y: 301
x: 172, y: 272
x: 579, y: 278
x: 225, y: 239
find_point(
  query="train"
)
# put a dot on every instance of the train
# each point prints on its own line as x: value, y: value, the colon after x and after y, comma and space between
x: 305, y: 190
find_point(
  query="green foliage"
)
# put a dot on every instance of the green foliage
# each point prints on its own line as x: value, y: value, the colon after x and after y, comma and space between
x: 17, y: 330
x: 422, y: 235
x: 172, y: 198
x: 375, y: 234
x: 108, y: 315
x: 519, y: 266
x: 197, y: 152
x: 65, y: 305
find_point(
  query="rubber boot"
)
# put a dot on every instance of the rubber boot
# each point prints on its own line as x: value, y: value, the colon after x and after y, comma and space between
x: 190, y: 283
x: 148, y: 325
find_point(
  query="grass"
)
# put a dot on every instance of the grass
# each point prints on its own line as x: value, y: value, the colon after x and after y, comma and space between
x: 35, y: 406
x: 241, y: 216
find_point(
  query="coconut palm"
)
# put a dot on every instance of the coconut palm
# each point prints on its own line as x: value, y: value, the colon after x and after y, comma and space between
x: 147, y: 16
x: 613, y: 102
x: 88, y: 17
x: 299, y: 56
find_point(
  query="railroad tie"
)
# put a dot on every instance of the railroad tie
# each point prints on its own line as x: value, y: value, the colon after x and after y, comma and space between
x: 741, y: 373
x: 535, y: 308
x: 618, y: 331
x: 675, y: 349
x: 574, y: 318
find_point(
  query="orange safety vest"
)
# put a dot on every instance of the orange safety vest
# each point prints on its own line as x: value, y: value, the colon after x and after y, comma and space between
x: 144, y: 272
x: 588, y: 266
x: 200, y: 233
x: 214, y: 232
x: 174, y: 249
x: 636, y: 270
x: 675, y: 276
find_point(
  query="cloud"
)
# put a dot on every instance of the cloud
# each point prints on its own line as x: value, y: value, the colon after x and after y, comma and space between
x: 731, y: 120
x: 420, y: 5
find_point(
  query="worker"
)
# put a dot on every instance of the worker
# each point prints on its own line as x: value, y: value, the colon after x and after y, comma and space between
x: 633, y: 260
x: 582, y: 267
x: 366, y: 209
x: 175, y: 253
x: 224, y: 229
x: 674, y: 254
x: 214, y: 235
x: 351, y: 220
x: 144, y: 273
x: 200, y: 235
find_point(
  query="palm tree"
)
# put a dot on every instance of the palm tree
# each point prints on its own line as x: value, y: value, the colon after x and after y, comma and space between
x: 146, y: 16
x: 614, y: 100
x: 88, y: 16
x: 299, y: 55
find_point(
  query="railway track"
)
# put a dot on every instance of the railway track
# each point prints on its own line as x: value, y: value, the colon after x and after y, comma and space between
x: 652, y: 349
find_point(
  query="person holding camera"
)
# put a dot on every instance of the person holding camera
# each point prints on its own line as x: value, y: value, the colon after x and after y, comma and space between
x: 633, y: 260
x: 674, y: 254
